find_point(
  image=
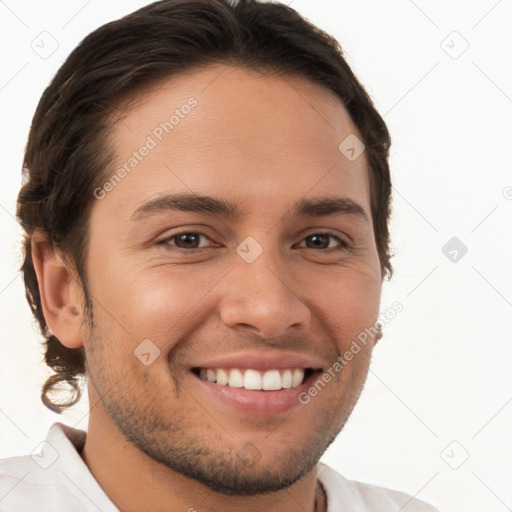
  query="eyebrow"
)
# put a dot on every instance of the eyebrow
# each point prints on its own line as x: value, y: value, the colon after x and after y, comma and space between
x: 316, y: 206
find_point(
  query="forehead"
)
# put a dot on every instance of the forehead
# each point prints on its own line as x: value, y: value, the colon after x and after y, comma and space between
x: 230, y: 131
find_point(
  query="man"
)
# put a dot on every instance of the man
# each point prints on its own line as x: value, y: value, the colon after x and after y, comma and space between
x: 206, y: 213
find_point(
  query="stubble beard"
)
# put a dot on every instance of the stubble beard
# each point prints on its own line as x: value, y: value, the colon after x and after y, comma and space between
x: 177, y: 444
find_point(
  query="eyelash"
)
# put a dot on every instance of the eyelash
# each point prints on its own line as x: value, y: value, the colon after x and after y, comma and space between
x: 343, y: 244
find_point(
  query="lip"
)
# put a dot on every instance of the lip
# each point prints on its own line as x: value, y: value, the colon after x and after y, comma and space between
x: 254, y: 402
x: 261, y: 362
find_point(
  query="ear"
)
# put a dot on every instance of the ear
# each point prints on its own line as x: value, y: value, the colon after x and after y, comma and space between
x: 59, y: 290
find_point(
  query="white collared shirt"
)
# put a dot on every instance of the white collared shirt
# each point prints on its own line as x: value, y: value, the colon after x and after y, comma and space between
x: 58, y: 480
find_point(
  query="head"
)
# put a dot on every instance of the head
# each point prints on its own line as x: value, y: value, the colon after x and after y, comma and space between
x: 142, y: 287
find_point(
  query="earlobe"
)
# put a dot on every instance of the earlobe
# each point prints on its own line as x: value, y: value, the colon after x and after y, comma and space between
x: 59, y: 291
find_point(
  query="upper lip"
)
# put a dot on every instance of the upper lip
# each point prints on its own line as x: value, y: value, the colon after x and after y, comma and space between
x: 261, y: 362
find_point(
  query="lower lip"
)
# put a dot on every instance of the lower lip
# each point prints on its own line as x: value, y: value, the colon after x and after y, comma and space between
x: 258, y: 403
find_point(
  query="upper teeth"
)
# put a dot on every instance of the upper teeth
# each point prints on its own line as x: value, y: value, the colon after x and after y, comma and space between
x: 270, y: 380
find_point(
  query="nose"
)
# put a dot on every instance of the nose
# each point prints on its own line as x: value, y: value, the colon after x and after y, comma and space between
x: 260, y: 296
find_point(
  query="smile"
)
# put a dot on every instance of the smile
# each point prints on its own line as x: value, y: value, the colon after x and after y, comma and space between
x: 255, y: 383
x: 269, y: 380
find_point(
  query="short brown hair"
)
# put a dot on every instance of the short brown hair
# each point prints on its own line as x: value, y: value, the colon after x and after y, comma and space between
x: 67, y: 157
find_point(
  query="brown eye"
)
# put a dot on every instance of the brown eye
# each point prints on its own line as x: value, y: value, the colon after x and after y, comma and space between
x: 323, y: 241
x: 186, y: 240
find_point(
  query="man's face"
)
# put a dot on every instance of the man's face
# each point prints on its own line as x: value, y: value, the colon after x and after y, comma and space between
x: 263, y: 295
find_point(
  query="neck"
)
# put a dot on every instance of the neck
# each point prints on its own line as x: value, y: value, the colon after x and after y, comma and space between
x: 134, y: 481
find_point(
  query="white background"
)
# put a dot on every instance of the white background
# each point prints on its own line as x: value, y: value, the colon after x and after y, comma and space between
x: 441, y: 373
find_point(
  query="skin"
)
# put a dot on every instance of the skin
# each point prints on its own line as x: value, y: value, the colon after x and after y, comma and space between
x: 265, y: 142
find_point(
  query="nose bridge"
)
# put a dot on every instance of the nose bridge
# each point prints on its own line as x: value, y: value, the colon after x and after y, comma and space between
x: 259, y: 292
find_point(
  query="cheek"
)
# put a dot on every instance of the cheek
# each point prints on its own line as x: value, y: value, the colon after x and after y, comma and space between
x: 158, y: 302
